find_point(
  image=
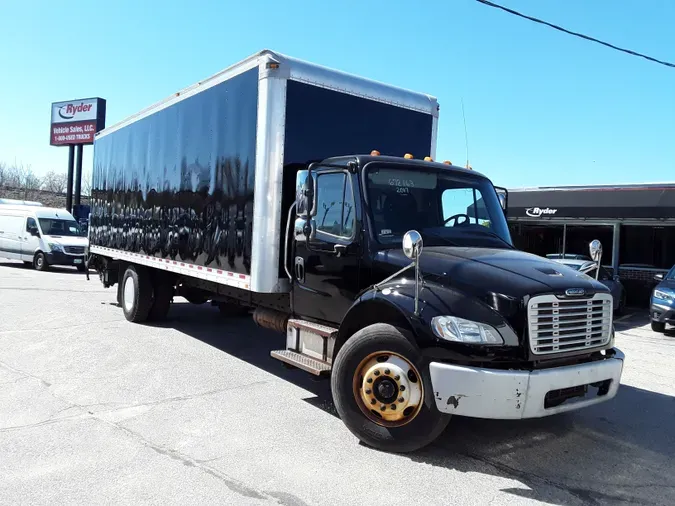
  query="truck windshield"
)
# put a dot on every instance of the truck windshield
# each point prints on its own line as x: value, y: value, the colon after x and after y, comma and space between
x: 447, y: 209
x: 51, y: 226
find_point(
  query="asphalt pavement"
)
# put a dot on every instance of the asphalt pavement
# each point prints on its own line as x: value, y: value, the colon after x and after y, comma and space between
x: 94, y: 409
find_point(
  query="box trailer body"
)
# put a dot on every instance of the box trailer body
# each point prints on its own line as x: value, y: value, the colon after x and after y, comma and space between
x: 204, y: 179
x: 290, y: 190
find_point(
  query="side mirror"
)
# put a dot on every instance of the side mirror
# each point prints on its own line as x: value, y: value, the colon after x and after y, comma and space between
x: 503, y: 196
x: 34, y: 232
x: 658, y: 278
x: 595, y: 249
x: 304, y: 193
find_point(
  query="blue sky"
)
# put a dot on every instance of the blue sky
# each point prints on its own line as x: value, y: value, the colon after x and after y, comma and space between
x: 542, y: 107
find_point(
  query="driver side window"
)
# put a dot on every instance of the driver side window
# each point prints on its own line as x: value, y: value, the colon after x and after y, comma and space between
x: 334, y: 205
x: 31, y: 224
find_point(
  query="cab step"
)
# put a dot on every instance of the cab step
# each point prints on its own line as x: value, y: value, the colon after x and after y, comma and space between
x: 309, y: 364
x: 309, y: 346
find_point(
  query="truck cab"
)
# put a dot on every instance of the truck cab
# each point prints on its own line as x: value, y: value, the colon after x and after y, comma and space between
x: 407, y: 289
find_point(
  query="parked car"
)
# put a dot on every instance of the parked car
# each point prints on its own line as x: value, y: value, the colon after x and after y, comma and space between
x: 41, y: 236
x: 662, y: 307
x: 588, y: 267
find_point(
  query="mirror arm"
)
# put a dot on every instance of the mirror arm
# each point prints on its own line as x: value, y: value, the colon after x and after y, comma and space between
x: 286, y: 245
x: 397, y: 273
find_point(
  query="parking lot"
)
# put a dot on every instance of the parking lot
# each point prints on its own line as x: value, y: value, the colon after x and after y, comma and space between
x: 94, y: 409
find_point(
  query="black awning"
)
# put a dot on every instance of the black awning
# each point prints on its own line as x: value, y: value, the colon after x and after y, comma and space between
x: 610, y: 203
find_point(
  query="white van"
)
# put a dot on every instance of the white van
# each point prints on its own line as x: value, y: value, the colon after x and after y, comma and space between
x: 41, y: 236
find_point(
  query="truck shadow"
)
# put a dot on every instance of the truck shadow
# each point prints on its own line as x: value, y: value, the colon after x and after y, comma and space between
x: 621, y: 451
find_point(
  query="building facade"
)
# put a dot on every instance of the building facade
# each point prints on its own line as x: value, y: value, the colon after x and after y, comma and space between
x: 635, y: 223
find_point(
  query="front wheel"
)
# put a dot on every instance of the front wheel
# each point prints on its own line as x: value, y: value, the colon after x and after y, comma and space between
x: 383, y: 393
x: 658, y: 327
x: 40, y: 262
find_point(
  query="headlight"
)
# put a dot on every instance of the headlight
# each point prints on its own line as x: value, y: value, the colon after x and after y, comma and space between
x: 452, y: 328
x: 55, y: 247
x: 659, y: 294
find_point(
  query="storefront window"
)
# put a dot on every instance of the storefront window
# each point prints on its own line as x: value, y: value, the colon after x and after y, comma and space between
x: 647, y: 246
x: 580, y: 236
x: 541, y: 240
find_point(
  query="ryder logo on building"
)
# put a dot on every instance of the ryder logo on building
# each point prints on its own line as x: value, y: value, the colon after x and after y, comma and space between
x: 536, y: 212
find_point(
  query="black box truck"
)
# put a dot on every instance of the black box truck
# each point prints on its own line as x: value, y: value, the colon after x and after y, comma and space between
x: 309, y: 198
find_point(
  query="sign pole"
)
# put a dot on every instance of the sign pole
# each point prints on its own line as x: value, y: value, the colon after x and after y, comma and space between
x: 69, y: 188
x: 78, y: 175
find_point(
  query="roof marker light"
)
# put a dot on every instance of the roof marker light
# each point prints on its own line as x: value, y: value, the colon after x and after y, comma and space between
x: 428, y: 159
x: 447, y: 162
x: 374, y: 152
x: 408, y: 156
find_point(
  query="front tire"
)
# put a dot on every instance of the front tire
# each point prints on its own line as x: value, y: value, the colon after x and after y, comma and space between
x: 383, y: 393
x: 659, y: 327
x: 136, y: 294
x: 40, y: 262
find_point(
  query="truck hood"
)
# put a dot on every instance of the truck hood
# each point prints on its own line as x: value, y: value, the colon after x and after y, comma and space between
x: 490, y: 270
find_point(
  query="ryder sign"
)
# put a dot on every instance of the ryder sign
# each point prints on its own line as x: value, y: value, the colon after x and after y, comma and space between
x: 76, y: 121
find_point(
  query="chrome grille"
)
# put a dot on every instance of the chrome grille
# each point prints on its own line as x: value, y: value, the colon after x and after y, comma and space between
x: 562, y: 325
x: 74, y: 250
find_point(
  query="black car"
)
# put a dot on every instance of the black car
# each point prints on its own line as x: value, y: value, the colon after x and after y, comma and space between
x: 662, y: 308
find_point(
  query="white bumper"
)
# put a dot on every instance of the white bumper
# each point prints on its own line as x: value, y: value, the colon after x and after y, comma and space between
x: 493, y: 393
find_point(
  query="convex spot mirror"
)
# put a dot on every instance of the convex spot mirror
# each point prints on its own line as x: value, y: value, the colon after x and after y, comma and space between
x: 412, y: 244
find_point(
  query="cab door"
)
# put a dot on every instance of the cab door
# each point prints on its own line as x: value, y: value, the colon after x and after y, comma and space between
x: 30, y: 240
x: 327, y: 256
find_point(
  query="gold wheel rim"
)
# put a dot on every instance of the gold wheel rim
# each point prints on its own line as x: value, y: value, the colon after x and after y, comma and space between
x: 388, y: 389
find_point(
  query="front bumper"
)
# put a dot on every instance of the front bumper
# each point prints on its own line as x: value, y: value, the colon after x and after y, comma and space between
x: 58, y: 258
x: 500, y: 394
x: 662, y: 313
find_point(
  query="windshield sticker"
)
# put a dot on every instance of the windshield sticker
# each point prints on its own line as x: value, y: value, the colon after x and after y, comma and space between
x: 403, y: 179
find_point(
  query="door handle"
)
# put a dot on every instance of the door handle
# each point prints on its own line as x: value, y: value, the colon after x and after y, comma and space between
x: 340, y: 249
x: 300, y: 269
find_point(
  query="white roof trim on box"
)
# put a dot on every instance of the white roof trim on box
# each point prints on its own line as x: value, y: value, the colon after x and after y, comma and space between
x: 301, y: 71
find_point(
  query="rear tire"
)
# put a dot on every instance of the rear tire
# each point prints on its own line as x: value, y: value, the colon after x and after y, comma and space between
x: 659, y: 327
x: 421, y: 427
x: 40, y: 262
x: 136, y: 294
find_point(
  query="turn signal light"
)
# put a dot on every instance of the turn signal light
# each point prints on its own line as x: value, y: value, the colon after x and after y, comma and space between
x: 428, y: 159
x: 408, y: 156
x: 374, y: 152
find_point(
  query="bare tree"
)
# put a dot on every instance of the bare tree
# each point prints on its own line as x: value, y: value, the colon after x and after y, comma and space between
x: 55, y: 182
x: 3, y: 174
x: 19, y: 176
x: 86, y: 184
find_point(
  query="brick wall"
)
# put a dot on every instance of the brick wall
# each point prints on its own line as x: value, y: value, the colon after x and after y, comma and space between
x: 48, y: 199
x: 639, y: 284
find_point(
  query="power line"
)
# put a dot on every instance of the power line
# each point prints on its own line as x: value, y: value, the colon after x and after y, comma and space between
x: 576, y: 34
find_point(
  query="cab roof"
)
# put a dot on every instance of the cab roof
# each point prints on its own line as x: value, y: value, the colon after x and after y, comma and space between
x: 363, y: 160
